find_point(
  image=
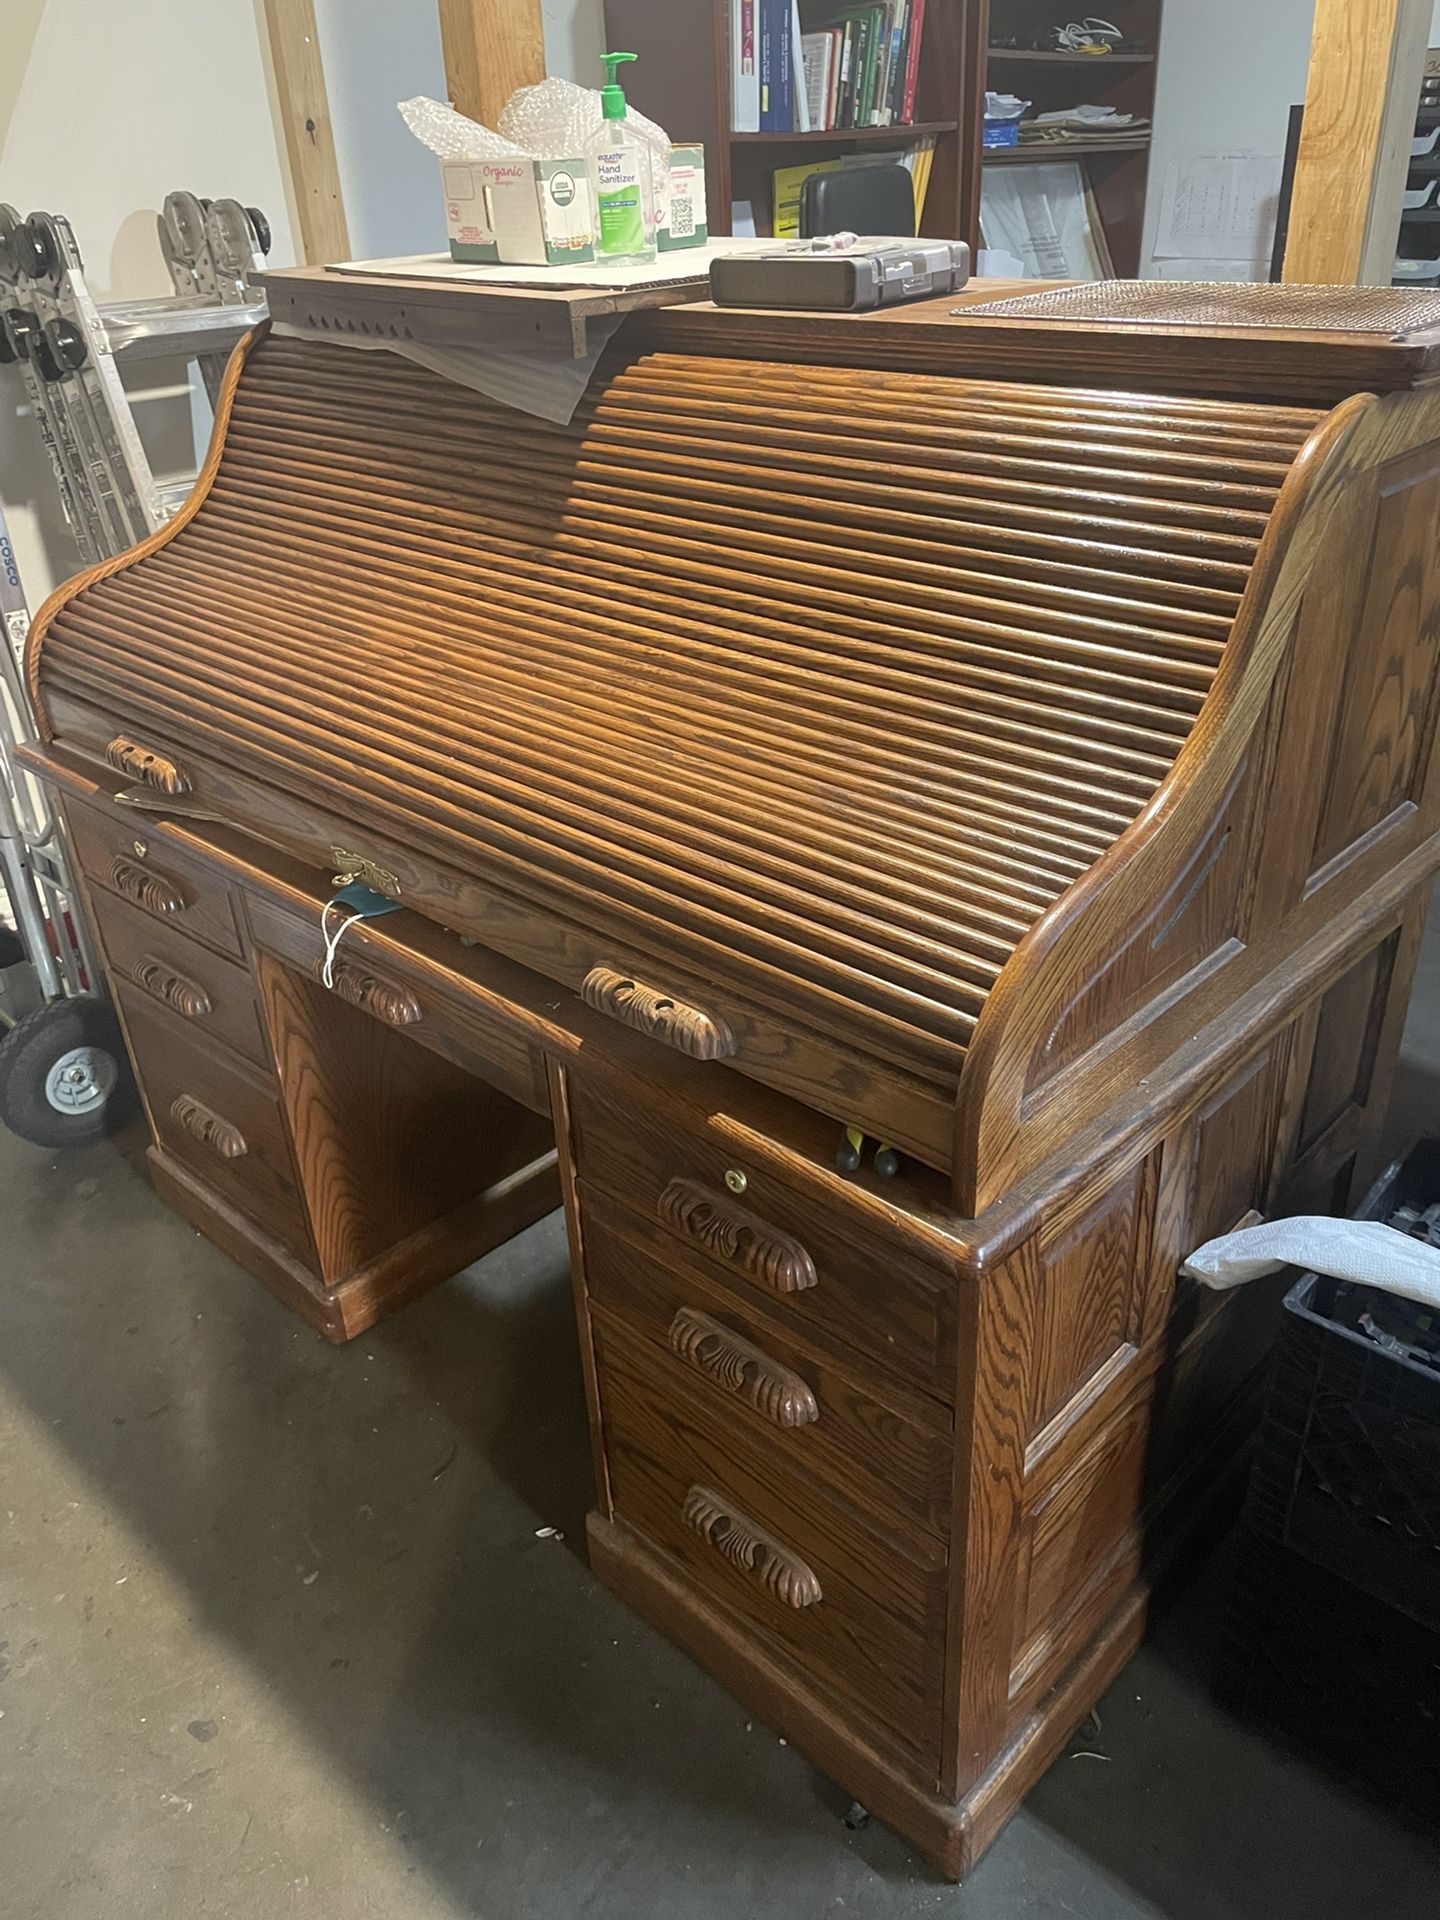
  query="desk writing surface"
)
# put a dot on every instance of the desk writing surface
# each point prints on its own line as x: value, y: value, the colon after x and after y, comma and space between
x: 455, y: 312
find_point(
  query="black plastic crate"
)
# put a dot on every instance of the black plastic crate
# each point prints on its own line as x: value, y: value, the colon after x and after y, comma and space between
x: 1347, y: 1470
x: 1344, y: 1676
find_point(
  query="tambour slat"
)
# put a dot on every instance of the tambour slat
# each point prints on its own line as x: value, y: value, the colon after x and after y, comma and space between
x: 828, y: 682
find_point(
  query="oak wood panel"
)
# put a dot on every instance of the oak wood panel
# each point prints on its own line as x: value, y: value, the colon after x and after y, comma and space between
x: 181, y: 894
x: 213, y: 995
x: 1085, y: 1286
x: 1386, y: 716
x: 891, y: 1309
x: 388, y: 1137
x: 870, y: 1442
x: 869, y: 1634
x: 203, y: 1105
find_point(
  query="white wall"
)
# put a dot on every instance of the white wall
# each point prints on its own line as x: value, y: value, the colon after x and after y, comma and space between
x: 104, y: 109
x: 1228, y: 74
x: 379, y: 52
x: 376, y: 53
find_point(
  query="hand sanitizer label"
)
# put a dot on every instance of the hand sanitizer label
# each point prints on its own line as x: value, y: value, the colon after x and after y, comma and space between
x: 621, y: 213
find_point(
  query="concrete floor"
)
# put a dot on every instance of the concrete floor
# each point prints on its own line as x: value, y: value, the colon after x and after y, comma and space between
x: 278, y: 1636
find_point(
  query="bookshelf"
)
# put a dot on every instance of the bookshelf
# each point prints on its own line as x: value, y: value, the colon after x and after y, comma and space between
x: 682, y: 80
x: 1116, y: 165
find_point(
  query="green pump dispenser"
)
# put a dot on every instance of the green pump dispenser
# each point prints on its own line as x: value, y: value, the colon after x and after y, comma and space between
x: 620, y: 171
x: 612, y: 94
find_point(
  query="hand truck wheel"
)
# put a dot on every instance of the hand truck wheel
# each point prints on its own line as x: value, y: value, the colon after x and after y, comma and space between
x: 64, y: 1077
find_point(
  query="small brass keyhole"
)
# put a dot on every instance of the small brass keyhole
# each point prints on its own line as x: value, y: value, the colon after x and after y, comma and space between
x: 141, y: 849
x: 735, y: 1180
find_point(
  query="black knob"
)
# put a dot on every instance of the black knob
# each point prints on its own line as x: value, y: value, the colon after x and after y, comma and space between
x: 67, y: 344
x: 35, y: 250
x: 262, y: 229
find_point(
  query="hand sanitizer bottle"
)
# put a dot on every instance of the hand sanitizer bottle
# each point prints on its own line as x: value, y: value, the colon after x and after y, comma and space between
x: 620, y: 174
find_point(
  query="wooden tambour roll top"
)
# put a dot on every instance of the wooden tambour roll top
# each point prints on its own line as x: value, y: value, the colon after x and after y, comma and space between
x: 909, y: 740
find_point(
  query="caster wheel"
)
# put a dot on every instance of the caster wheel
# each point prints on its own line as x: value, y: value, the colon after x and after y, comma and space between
x: 887, y: 1163
x: 64, y: 1077
x: 261, y: 229
x: 847, y: 1158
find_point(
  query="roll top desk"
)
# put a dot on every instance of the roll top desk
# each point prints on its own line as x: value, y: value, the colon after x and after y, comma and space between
x: 1007, y: 736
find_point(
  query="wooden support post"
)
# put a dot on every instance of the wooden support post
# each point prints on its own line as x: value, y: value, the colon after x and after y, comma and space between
x: 491, y: 48
x: 309, y: 138
x: 1360, y: 97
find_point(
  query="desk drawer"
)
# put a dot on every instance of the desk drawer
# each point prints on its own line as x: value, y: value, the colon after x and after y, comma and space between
x: 217, y: 1119
x: 862, y: 1621
x: 891, y: 1455
x: 706, y: 1208
x: 406, y: 994
x: 215, y: 998
x: 135, y: 862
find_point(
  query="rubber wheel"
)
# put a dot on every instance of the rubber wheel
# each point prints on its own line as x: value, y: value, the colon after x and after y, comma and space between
x: 64, y: 1078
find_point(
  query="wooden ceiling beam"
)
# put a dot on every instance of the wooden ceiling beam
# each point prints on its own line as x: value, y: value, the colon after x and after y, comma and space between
x: 491, y: 47
x: 1366, y: 58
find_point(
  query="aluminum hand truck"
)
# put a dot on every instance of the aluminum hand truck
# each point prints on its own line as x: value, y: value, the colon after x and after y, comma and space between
x: 63, y: 1072
x: 64, y: 1076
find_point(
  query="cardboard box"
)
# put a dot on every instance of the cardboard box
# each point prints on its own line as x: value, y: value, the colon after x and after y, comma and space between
x: 542, y: 211
x: 519, y: 212
x: 682, y: 217
x: 467, y: 212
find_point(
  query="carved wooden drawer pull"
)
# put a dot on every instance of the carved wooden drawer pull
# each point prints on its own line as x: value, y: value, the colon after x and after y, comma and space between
x: 163, y: 983
x: 396, y: 1006
x: 782, y: 1574
x: 141, y: 763
x: 146, y: 889
x: 651, y: 1010
x: 743, y: 1369
x: 736, y: 1236
x: 225, y: 1141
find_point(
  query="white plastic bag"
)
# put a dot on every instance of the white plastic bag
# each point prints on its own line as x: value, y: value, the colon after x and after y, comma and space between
x: 1365, y: 1251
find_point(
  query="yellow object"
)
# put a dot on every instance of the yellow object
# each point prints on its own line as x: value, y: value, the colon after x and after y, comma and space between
x: 785, y: 204
x: 786, y: 183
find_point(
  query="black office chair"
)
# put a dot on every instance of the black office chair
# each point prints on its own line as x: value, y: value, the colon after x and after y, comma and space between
x: 876, y: 200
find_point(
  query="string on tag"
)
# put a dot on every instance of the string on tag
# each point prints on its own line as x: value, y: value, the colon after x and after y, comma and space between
x: 332, y: 940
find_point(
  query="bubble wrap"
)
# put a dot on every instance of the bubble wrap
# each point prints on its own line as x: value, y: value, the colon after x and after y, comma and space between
x: 450, y: 135
x: 555, y: 119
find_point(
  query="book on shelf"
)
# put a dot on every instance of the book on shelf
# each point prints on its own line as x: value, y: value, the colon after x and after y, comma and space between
x: 777, y: 69
x: 744, y: 67
x: 855, y: 65
x: 786, y: 182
